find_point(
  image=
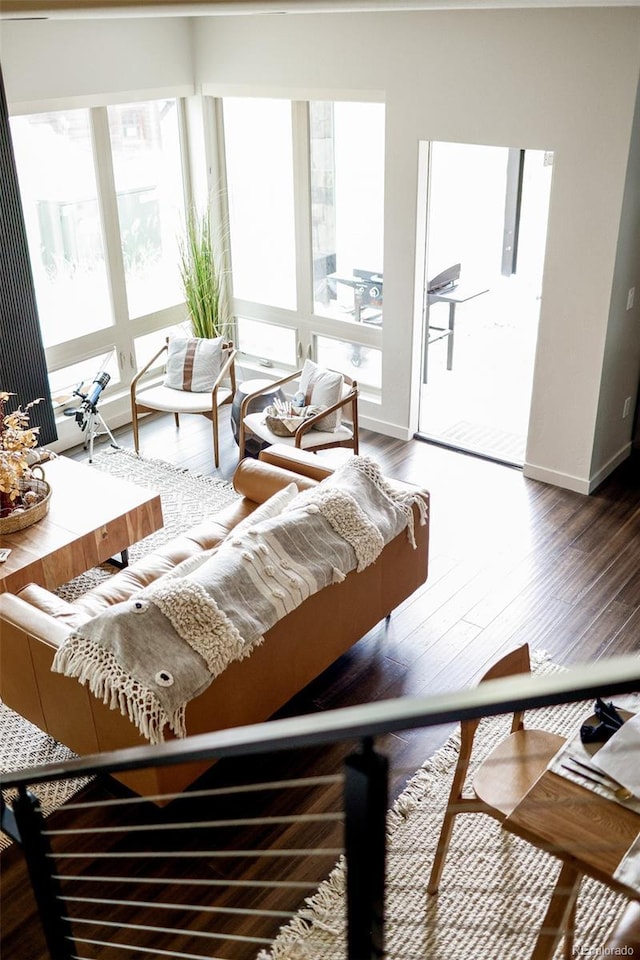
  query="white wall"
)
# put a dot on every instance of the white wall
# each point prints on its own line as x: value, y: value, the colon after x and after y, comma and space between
x: 93, y: 62
x: 563, y: 80
x: 621, y: 364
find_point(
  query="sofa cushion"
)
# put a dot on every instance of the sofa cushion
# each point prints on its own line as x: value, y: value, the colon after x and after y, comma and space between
x: 125, y: 583
x: 270, y: 508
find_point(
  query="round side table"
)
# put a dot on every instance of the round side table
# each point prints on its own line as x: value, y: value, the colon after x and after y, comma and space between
x: 253, y: 444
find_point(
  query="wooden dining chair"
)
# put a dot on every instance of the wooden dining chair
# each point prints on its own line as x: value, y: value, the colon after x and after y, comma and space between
x: 624, y: 939
x: 505, y: 775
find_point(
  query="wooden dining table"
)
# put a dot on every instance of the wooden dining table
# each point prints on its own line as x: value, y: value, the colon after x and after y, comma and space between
x: 589, y: 833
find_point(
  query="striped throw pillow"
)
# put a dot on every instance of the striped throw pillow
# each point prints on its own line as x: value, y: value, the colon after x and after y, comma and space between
x: 193, y: 364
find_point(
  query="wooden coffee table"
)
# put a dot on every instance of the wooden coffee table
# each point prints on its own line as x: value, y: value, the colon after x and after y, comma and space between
x: 92, y: 517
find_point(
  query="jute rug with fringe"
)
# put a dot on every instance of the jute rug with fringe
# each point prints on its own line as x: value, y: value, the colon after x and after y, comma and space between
x: 495, y: 887
x: 186, y: 500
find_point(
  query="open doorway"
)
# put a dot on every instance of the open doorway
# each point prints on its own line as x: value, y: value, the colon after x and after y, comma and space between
x: 486, y: 225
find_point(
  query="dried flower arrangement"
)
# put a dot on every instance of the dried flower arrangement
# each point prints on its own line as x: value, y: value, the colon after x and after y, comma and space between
x: 16, y: 438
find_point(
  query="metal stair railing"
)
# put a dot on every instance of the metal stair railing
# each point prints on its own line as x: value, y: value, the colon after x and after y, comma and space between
x: 83, y: 895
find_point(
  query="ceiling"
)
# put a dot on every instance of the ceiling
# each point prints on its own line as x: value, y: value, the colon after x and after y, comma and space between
x: 75, y: 9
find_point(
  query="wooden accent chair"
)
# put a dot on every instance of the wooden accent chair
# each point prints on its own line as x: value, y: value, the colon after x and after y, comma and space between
x: 156, y: 397
x: 305, y: 437
x: 505, y: 775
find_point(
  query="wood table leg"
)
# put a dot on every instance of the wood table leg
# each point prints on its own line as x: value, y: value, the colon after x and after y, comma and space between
x: 558, y: 920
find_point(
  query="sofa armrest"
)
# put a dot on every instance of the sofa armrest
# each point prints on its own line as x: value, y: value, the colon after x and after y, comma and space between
x: 257, y: 480
x: 18, y: 613
x: 308, y: 464
x: 298, y: 461
x: 57, y: 704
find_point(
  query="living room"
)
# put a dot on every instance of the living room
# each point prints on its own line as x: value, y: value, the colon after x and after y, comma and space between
x: 581, y: 106
x: 564, y: 79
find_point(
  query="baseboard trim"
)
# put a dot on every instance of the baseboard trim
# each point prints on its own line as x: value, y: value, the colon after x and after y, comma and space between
x: 577, y: 484
x: 610, y: 466
x: 394, y: 430
x: 557, y: 479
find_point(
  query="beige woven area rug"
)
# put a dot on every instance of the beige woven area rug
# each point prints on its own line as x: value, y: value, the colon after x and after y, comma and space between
x: 495, y: 887
x: 186, y: 500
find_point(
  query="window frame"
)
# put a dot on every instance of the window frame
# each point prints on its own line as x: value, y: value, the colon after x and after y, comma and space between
x: 121, y: 334
x: 308, y: 323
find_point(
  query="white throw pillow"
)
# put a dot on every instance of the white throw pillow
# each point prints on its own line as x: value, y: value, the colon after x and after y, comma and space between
x: 270, y: 508
x: 322, y: 388
x: 193, y: 364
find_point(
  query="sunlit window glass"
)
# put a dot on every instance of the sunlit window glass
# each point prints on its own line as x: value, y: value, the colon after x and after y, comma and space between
x: 260, y: 194
x: 149, y: 344
x: 347, y: 209
x: 363, y: 364
x: 79, y: 376
x: 57, y: 181
x: 267, y: 341
x: 147, y: 167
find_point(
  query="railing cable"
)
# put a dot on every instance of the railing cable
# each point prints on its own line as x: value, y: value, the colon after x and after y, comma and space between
x: 160, y: 905
x: 203, y: 824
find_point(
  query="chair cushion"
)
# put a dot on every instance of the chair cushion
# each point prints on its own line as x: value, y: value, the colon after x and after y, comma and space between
x: 178, y: 401
x: 255, y: 423
x: 322, y: 388
x: 193, y: 363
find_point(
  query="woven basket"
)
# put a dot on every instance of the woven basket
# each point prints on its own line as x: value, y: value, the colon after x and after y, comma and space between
x: 20, y: 519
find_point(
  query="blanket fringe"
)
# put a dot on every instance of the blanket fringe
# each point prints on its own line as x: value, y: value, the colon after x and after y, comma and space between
x: 96, y: 667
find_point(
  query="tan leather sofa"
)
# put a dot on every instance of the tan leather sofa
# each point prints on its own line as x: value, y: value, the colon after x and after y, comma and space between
x: 296, y: 650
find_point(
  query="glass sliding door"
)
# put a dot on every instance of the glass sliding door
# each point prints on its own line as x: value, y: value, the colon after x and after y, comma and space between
x: 486, y: 233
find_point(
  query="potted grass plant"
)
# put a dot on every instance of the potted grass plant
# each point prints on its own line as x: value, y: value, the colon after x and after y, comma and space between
x: 202, y: 278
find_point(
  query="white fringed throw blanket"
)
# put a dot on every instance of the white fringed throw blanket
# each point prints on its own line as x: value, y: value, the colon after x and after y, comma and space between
x: 150, y: 655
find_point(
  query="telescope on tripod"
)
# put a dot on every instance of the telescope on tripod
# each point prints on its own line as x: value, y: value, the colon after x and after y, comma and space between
x: 87, y: 415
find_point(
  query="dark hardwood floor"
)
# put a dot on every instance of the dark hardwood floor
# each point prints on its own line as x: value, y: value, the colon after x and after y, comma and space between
x: 510, y: 560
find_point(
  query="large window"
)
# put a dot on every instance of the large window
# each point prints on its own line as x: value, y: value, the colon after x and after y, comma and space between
x: 347, y: 209
x: 363, y: 364
x: 104, y: 203
x: 306, y: 234
x: 273, y: 343
x: 259, y: 155
x: 147, y: 168
x: 104, y: 196
x: 54, y: 157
